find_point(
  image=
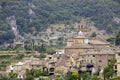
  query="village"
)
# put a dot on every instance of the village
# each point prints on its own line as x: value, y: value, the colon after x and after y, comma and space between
x: 81, y: 53
x: 59, y: 39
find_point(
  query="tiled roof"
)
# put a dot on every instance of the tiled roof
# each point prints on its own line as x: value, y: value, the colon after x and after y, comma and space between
x: 79, y: 37
x: 80, y: 46
x: 98, y: 53
x: 19, y: 63
x: 97, y: 42
x: 37, y: 63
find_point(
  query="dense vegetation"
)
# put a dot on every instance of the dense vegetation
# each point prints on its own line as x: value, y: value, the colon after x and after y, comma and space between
x: 46, y: 12
x: 115, y: 39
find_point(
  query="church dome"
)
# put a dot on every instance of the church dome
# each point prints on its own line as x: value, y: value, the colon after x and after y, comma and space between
x: 80, y: 33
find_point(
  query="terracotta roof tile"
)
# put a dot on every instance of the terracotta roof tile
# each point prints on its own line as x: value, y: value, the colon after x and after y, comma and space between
x: 81, y: 46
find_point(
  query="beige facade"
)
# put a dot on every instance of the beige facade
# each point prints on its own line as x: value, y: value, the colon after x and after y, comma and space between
x: 95, y: 52
x: 26, y: 63
x: 118, y: 62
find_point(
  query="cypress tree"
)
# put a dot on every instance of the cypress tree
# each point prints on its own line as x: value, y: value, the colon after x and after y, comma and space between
x: 117, y: 40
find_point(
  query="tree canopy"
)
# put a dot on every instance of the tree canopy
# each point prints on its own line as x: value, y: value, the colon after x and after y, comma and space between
x: 37, y: 15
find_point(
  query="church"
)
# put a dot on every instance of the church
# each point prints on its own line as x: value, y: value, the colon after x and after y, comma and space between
x: 85, y: 51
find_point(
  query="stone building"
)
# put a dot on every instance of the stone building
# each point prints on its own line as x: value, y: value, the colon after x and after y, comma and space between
x: 117, y: 66
x: 26, y: 63
x: 85, y: 51
x: 99, y: 59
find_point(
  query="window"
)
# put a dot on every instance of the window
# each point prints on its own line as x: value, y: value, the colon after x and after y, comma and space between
x: 11, y: 70
x: 87, y: 60
x: 91, y: 61
x: 115, y: 66
x: 58, y: 57
x: 82, y: 27
x: 50, y: 57
x: 100, y: 60
x: 118, y: 54
x: 20, y: 76
x: 93, y: 55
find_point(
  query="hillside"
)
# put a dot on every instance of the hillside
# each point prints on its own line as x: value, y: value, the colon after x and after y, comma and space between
x: 36, y: 15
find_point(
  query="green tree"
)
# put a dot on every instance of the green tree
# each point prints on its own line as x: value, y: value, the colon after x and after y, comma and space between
x: 4, y: 78
x: 13, y: 75
x: 44, y: 79
x: 86, y: 76
x: 37, y: 72
x: 32, y: 30
x: 95, y: 78
x: 29, y: 77
x: 107, y: 73
x: 76, y: 75
x: 58, y: 78
x: 112, y: 63
x: 29, y: 74
x: 93, y: 34
x: 109, y: 70
x: 45, y: 71
x: 41, y: 48
x: 109, y: 29
x: 50, y: 51
x: 117, y: 40
x: 118, y: 78
x: 73, y: 76
x: 111, y: 40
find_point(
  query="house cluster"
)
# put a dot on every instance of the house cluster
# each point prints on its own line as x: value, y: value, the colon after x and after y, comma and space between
x: 81, y: 53
x: 91, y: 54
x: 22, y: 66
x: 56, y: 64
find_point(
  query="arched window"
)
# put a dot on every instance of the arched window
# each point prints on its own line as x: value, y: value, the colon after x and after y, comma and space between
x: 82, y: 26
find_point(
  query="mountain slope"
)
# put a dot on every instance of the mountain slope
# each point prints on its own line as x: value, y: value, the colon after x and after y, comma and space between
x: 36, y: 15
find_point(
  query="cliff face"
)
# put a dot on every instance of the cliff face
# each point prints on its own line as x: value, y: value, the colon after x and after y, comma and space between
x: 37, y: 15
